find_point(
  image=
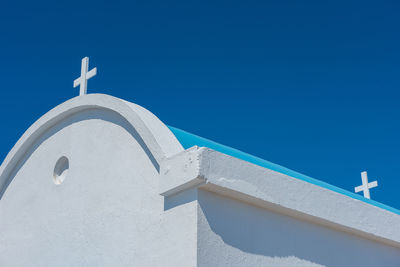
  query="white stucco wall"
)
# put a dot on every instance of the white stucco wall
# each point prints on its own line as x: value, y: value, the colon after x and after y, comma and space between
x: 233, y: 233
x: 107, y: 211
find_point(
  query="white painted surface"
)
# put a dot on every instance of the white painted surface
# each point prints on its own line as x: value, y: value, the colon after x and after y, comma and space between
x: 107, y: 210
x: 365, y: 185
x: 233, y: 233
x: 85, y: 76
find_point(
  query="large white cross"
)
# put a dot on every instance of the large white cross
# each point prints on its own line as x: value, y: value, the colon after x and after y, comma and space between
x: 365, y: 185
x: 85, y: 75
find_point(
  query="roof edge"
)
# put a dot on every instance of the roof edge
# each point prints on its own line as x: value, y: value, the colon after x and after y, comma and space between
x: 211, y: 170
x: 188, y: 140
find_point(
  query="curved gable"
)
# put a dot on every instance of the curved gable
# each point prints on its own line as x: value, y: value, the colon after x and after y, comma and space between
x: 154, y: 137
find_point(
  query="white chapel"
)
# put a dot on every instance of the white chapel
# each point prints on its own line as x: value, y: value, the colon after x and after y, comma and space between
x: 100, y: 181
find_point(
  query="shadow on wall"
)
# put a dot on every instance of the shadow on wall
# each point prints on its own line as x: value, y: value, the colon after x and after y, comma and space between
x: 180, y: 199
x: 234, y: 230
x: 89, y: 114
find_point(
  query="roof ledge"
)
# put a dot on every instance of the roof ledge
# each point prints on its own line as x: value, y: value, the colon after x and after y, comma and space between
x: 213, y: 171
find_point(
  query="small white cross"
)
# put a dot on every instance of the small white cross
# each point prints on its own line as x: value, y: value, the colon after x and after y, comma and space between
x: 365, y: 185
x: 85, y: 75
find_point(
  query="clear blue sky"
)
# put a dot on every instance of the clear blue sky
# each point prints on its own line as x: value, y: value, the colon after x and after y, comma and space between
x: 311, y: 85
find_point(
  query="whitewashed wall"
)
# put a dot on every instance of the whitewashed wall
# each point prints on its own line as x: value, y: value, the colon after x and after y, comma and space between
x: 107, y: 211
x: 233, y: 233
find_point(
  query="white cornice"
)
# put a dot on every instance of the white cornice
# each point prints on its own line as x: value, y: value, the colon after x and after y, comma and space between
x: 213, y: 171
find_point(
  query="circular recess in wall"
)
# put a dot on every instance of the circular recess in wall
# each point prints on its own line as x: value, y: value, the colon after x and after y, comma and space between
x: 60, y: 170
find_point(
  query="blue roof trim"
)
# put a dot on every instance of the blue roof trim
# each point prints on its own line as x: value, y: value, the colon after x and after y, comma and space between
x: 188, y: 140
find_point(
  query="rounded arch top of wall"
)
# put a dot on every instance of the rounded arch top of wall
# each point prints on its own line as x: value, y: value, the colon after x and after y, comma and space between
x: 154, y: 136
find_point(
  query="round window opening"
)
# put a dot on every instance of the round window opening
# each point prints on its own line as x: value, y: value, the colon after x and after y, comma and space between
x: 61, y: 170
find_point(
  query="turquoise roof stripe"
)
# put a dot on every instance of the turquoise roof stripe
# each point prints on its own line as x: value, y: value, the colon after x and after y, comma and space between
x: 188, y: 140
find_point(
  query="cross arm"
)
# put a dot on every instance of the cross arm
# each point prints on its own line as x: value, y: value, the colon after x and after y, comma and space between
x: 373, y: 184
x: 359, y: 188
x: 77, y: 82
x: 91, y: 73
